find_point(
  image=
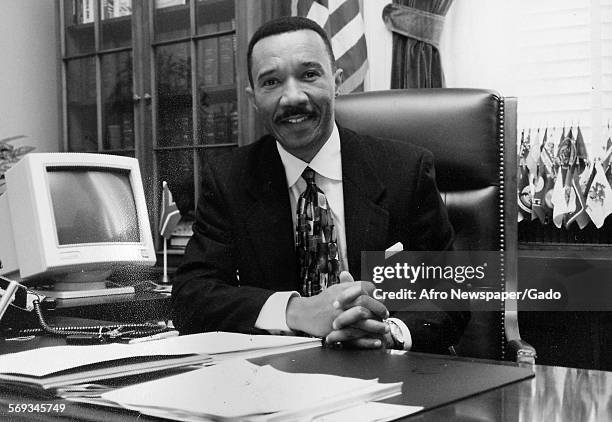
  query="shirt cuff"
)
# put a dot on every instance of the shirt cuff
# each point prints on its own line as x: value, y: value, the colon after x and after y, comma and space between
x: 273, y: 314
x: 405, y: 332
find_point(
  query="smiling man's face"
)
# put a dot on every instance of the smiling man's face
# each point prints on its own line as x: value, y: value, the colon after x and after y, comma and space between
x: 294, y: 86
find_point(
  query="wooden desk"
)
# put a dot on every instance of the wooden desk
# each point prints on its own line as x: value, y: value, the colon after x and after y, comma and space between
x: 555, y: 394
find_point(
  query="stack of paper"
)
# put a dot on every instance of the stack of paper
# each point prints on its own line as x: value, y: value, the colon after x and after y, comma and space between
x: 52, y: 367
x: 239, y: 390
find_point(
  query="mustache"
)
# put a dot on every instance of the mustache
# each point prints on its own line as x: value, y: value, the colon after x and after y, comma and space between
x: 293, y: 111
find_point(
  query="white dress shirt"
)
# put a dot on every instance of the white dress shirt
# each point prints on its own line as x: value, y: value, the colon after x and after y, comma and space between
x: 327, y: 164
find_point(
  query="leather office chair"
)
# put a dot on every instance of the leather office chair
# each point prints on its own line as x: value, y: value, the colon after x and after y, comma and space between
x: 472, y: 134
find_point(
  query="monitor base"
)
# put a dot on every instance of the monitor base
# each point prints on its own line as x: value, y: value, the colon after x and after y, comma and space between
x: 73, y: 294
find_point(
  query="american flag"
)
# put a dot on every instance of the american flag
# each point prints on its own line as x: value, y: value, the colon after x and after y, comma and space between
x: 170, y: 215
x: 342, y: 21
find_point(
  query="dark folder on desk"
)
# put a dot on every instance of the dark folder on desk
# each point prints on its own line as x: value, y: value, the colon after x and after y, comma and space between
x: 428, y: 380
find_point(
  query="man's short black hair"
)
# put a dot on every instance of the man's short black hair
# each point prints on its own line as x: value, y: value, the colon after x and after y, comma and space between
x: 282, y: 25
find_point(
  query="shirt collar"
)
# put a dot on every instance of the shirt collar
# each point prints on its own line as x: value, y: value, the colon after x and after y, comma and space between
x: 327, y: 162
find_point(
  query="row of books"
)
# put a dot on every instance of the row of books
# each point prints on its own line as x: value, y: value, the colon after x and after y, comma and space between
x: 83, y: 10
x: 181, y: 234
x: 218, y: 125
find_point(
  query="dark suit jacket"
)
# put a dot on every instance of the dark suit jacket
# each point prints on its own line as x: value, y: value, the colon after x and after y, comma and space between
x: 244, y: 227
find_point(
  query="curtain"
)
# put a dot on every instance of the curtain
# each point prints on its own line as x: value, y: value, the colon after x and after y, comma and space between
x: 417, y: 27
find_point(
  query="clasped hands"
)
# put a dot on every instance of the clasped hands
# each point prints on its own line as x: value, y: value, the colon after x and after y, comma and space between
x: 345, y: 312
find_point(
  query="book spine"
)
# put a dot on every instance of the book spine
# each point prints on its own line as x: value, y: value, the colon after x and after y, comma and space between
x: 227, y: 74
x: 127, y: 131
x: 233, y: 117
x: 76, y: 18
x: 122, y: 8
x: 108, y: 9
x: 209, y: 127
x: 221, y: 120
x: 209, y: 53
x: 88, y: 11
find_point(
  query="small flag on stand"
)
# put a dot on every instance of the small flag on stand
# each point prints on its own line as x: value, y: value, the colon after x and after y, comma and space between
x: 599, y: 197
x: 170, y: 217
x: 579, y: 170
x: 564, y: 196
x: 542, y: 206
x: 343, y: 23
x: 524, y: 185
x: 605, y: 163
x: 531, y: 161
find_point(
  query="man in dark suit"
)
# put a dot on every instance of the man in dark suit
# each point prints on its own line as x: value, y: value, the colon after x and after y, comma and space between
x: 240, y: 269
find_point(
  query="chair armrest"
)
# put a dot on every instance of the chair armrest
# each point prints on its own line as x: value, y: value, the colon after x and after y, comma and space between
x: 522, y: 351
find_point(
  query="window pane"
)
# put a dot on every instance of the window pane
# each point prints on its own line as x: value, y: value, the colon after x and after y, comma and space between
x: 81, y: 105
x: 217, y: 107
x: 171, y: 19
x: 174, y: 111
x: 117, y: 105
x: 116, y: 25
x: 213, y: 16
x: 79, y: 17
x: 218, y: 123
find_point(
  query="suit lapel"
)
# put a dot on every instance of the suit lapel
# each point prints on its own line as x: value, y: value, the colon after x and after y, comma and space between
x: 366, y: 219
x: 268, y: 220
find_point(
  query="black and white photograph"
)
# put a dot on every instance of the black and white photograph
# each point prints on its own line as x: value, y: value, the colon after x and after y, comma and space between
x: 306, y: 210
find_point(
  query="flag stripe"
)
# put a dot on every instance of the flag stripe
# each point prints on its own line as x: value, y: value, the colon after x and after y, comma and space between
x: 355, y: 82
x: 333, y: 5
x: 347, y: 36
x: 319, y: 14
x: 343, y: 13
x: 168, y: 222
x: 351, y: 57
x: 302, y: 7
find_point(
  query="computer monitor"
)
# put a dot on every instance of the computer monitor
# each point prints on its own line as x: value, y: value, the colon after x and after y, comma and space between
x: 70, y: 219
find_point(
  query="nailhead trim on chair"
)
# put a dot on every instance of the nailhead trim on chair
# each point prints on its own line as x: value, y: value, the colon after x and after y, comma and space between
x: 500, y: 140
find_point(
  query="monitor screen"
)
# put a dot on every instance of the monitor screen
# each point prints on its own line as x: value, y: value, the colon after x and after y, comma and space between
x: 93, y: 205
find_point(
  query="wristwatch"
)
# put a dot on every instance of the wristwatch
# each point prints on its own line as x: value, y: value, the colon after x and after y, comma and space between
x: 397, y: 336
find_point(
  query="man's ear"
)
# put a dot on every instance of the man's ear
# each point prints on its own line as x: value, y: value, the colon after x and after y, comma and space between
x: 338, y: 80
x: 251, y: 96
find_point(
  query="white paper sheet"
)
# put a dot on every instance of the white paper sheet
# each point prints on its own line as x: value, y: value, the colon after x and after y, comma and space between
x: 48, y: 360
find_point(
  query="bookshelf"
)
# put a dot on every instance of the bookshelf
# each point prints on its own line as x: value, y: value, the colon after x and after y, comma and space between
x: 159, y: 80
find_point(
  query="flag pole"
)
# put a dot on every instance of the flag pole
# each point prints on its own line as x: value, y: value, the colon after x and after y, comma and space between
x: 165, y: 279
x: 170, y: 217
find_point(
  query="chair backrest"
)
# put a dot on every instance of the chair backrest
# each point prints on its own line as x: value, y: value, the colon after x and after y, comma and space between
x: 472, y: 134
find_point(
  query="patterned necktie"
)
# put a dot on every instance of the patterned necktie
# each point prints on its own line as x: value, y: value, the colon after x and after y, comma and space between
x: 316, y: 247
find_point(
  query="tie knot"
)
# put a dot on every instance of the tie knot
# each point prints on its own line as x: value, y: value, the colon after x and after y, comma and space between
x: 309, y: 175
